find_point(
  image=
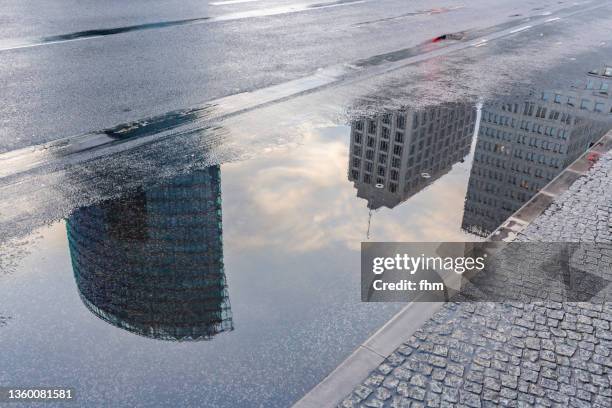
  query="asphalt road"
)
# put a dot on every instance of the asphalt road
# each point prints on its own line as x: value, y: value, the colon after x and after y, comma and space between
x: 71, y: 67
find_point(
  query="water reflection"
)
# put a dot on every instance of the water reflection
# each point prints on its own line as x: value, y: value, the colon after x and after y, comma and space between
x: 152, y: 263
x: 524, y: 143
x: 395, y: 155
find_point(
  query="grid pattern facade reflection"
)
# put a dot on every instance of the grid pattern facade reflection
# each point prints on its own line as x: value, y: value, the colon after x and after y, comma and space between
x: 523, y: 145
x: 395, y: 155
x: 152, y: 263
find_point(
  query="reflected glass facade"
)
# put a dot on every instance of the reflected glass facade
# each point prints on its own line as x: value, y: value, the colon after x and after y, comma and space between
x: 152, y: 263
x: 524, y: 144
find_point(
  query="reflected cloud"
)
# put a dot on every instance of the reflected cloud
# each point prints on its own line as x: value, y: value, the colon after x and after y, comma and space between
x: 306, y: 186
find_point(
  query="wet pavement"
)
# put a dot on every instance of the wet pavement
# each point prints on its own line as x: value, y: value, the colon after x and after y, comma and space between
x: 200, y: 244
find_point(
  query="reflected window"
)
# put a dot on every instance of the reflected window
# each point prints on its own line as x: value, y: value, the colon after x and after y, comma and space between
x: 584, y: 104
x: 126, y: 218
x: 372, y: 127
x: 385, y: 132
x: 401, y: 122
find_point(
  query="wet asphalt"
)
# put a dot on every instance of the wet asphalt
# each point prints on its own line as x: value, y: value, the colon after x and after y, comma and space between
x: 72, y: 67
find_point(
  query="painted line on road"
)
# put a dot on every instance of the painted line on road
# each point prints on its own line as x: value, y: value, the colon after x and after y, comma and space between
x: 553, y: 19
x: 228, y: 2
x: 518, y: 30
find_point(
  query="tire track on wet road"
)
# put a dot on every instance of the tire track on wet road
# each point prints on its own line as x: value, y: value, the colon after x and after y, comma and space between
x: 104, y: 32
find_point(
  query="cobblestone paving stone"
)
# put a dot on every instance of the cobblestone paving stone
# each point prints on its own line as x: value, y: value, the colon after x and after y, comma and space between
x: 544, y: 354
x: 582, y: 213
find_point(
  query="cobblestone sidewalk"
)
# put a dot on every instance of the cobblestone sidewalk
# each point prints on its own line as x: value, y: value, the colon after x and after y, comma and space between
x: 546, y: 354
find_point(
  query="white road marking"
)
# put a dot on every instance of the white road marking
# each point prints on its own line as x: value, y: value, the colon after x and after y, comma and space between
x: 225, y: 3
x: 553, y: 19
x: 520, y: 29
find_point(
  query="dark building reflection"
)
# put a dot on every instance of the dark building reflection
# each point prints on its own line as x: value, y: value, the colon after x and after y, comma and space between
x: 152, y: 263
x: 523, y: 144
x: 396, y: 154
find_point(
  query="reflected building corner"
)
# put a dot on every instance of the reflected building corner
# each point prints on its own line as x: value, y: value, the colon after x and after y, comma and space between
x: 395, y: 155
x: 524, y: 144
x: 152, y: 263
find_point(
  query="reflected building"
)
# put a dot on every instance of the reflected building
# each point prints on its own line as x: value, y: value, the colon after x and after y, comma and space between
x: 152, y: 263
x: 523, y: 145
x: 396, y: 154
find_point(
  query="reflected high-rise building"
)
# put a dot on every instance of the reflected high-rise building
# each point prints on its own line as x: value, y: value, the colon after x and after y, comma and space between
x: 523, y: 145
x: 152, y: 263
x: 395, y: 155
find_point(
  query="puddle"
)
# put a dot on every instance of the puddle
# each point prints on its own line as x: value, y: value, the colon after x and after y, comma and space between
x: 186, y: 273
